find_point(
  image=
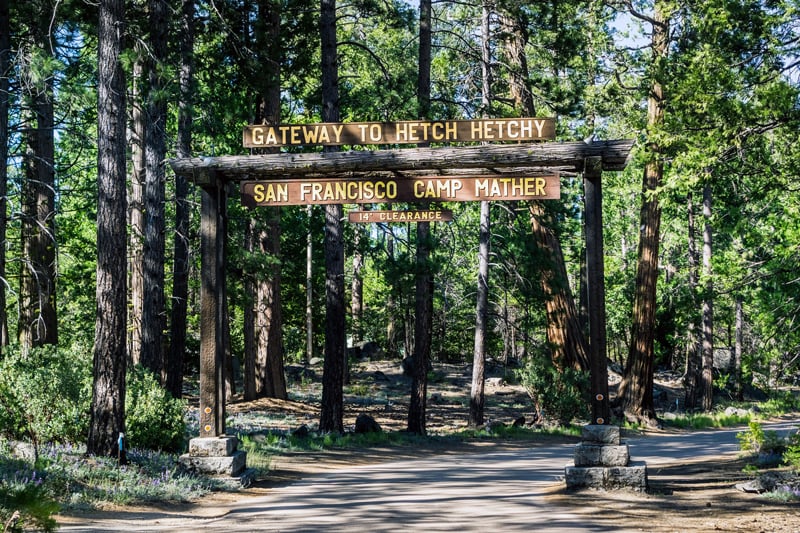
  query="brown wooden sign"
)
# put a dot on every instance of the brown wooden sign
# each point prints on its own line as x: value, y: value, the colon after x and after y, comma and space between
x: 418, y: 189
x: 366, y: 217
x: 401, y: 132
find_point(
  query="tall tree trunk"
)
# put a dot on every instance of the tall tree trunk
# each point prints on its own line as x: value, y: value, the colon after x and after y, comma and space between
x: 309, y: 285
x: 155, y: 149
x: 477, y: 399
x: 737, y: 351
x: 268, y: 341
x: 707, y: 381
x: 5, y: 65
x: 357, y: 287
x: 564, y: 331
x: 332, y: 411
x: 636, y: 388
x: 180, y: 265
x: 109, y: 360
x: 253, y: 379
x: 423, y: 305
x: 693, y: 356
x: 516, y: 31
x: 229, y: 368
x: 423, y: 302
x: 393, y: 346
x: 136, y: 208
x: 264, y: 290
x: 37, y: 319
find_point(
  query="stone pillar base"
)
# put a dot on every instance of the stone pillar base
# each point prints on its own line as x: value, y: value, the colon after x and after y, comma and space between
x: 633, y: 476
x: 217, y: 456
x: 602, y: 461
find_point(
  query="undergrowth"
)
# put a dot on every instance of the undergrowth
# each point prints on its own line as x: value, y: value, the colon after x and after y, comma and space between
x: 708, y: 420
x: 769, y: 449
x: 64, y: 477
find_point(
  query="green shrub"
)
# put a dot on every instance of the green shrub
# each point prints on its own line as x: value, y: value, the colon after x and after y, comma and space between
x: 758, y: 441
x: 153, y: 418
x: 559, y: 395
x: 791, y: 457
x: 44, y: 395
x: 24, y: 497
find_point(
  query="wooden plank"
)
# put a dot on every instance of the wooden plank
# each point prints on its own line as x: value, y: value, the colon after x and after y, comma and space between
x: 428, y: 188
x: 399, y: 132
x: 455, y: 160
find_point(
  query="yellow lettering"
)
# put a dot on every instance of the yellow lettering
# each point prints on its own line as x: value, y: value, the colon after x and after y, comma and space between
x: 295, y: 132
x: 316, y: 190
x: 540, y: 184
x: 337, y: 130
x: 310, y: 134
x: 328, y: 194
x: 451, y: 131
x: 257, y: 135
x: 284, y: 130
x: 539, y: 126
x: 401, y: 131
x: 436, y: 131
x: 477, y: 129
x: 258, y: 193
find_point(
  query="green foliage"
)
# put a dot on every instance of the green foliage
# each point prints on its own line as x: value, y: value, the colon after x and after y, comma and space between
x: 44, y: 395
x: 758, y: 441
x: 154, y: 419
x: 557, y: 394
x: 780, y: 402
x: 65, y: 477
x: 22, y: 491
x: 791, y: 457
x: 707, y: 420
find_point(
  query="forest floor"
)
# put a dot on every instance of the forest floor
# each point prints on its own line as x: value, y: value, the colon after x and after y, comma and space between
x: 681, y: 496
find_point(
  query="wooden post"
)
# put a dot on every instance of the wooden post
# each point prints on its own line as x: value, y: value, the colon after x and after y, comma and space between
x: 595, y: 273
x: 212, y: 298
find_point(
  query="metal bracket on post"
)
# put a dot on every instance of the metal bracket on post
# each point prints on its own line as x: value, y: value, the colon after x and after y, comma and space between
x: 595, y: 273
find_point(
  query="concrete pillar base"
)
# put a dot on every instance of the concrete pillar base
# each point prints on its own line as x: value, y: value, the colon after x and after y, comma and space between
x: 602, y: 461
x: 217, y: 456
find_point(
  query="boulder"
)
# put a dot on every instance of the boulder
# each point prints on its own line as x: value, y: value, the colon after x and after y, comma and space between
x: 366, y: 424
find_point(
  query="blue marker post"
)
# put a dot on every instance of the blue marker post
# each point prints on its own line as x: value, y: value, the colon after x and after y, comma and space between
x: 123, y: 460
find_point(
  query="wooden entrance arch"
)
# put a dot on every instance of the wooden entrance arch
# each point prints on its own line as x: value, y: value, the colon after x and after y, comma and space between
x: 214, y: 174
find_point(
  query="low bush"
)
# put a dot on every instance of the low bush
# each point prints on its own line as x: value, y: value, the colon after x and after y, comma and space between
x: 44, y: 395
x: 557, y: 394
x: 153, y: 418
x: 25, y: 501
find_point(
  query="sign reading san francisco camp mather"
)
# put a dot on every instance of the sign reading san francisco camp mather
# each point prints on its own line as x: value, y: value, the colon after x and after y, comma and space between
x: 417, y: 189
x: 400, y: 132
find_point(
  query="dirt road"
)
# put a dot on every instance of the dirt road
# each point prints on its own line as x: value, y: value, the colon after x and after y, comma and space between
x: 494, y: 490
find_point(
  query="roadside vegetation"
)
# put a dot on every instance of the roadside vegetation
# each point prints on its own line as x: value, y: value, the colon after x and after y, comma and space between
x: 774, y: 462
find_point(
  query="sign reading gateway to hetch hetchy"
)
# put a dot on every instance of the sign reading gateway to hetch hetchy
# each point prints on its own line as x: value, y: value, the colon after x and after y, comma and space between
x: 413, y: 189
x: 401, y: 132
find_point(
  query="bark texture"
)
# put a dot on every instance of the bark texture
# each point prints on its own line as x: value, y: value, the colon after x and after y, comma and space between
x: 180, y: 265
x: 636, y: 388
x: 332, y: 412
x: 109, y: 360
